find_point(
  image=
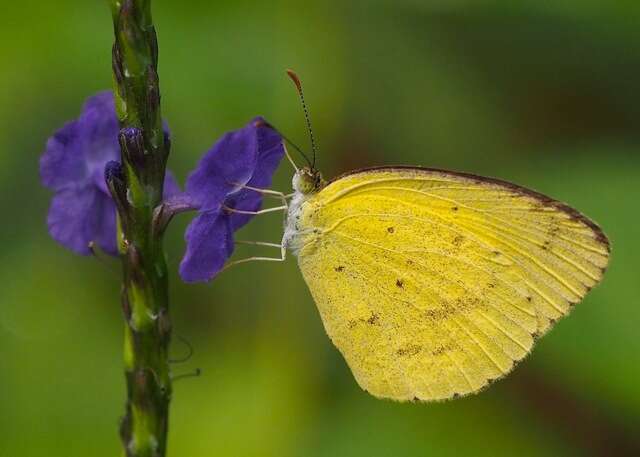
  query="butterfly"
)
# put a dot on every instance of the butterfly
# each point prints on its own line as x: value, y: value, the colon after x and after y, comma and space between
x: 434, y: 283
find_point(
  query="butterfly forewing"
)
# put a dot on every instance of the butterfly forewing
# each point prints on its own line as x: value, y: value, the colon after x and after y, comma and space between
x: 433, y: 283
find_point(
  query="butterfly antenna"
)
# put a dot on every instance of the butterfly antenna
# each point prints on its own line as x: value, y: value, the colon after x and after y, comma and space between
x: 291, y: 143
x: 296, y: 80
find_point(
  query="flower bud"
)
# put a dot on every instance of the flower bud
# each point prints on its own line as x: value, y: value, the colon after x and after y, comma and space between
x: 113, y: 172
x: 132, y: 146
x: 116, y: 184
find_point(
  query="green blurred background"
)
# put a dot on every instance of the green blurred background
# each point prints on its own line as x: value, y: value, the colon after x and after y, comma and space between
x: 546, y: 94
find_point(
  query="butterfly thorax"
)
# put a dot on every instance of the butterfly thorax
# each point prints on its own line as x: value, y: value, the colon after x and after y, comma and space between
x: 307, y: 181
x: 306, y: 184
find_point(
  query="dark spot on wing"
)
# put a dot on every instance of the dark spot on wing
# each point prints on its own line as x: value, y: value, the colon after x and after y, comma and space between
x: 400, y: 283
x: 491, y: 285
x: 390, y: 229
x: 458, y: 240
x: 529, y: 299
x: 439, y: 314
x: 352, y: 324
x: 339, y: 269
x: 454, y: 208
x: 462, y: 305
x: 408, y: 350
x: 409, y: 262
x: 467, y: 302
x: 442, y: 349
x: 374, y: 319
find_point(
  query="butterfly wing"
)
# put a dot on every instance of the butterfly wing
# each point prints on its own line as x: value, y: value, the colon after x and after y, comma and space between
x: 434, y: 283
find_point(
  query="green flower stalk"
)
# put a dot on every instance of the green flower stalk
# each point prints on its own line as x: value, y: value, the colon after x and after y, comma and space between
x: 137, y: 189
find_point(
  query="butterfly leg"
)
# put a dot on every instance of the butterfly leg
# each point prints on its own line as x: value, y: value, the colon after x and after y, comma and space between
x: 283, y: 254
x: 271, y: 193
x: 260, y: 243
x: 255, y: 213
x: 285, y: 206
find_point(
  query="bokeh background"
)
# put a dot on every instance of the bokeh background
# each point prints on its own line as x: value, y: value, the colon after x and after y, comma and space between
x: 546, y: 94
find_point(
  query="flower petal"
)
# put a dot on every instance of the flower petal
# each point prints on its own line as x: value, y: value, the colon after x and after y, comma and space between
x: 99, y: 125
x: 62, y: 164
x: 227, y: 166
x: 171, y: 186
x: 270, y: 153
x: 81, y: 215
x: 209, y: 245
x: 105, y: 231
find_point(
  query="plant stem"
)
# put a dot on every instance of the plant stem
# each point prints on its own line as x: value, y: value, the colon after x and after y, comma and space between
x: 137, y: 192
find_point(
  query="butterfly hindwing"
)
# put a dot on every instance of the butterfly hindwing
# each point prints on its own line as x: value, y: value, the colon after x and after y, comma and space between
x: 433, y: 283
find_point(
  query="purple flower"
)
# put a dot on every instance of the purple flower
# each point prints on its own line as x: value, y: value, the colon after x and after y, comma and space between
x: 245, y: 157
x: 73, y: 165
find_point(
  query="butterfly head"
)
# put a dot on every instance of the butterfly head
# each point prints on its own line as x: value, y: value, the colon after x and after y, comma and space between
x: 307, y: 181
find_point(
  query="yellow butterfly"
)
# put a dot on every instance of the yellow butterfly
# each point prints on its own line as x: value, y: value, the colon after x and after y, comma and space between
x: 433, y: 283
